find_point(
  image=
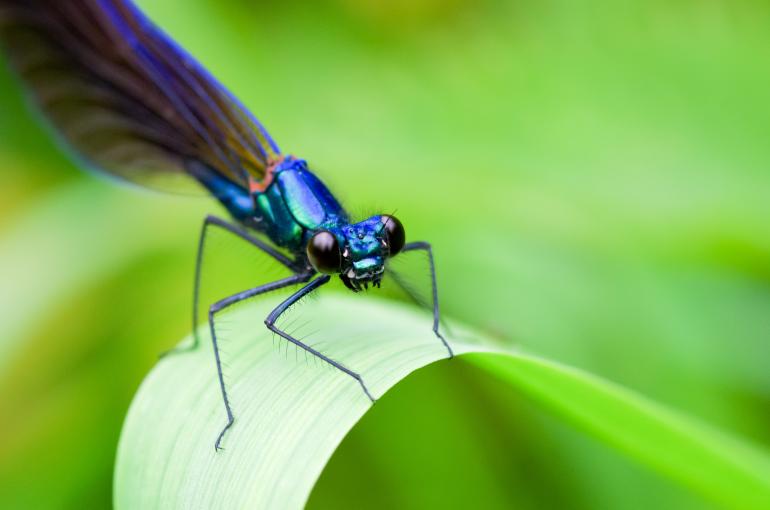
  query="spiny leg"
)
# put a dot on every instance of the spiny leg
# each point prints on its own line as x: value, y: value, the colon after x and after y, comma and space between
x: 213, y: 221
x: 281, y: 308
x: 422, y: 245
x: 229, y: 301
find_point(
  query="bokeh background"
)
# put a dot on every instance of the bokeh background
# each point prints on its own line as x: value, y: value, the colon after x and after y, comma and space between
x: 594, y: 177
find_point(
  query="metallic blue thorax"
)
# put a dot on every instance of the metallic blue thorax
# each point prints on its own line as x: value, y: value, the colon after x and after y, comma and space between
x: 293, y: 204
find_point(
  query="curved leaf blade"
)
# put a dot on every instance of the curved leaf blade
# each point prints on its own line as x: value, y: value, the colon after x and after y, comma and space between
x: 291, y: 416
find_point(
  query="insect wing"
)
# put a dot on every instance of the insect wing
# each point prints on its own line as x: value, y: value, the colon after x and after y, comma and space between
x: 126, y: 97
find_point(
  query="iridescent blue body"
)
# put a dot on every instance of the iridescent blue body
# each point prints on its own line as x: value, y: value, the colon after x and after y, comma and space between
x: 292, y: 206
x: 132, y: 103
x: 289, y: 208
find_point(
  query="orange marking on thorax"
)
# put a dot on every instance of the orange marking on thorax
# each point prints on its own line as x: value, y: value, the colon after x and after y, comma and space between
x: 256, y: 186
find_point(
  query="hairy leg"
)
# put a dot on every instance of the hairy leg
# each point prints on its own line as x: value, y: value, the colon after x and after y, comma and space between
x: 225, y: 303
x: 424, y: 246
x: 215, y: 222
x: 280, y: 309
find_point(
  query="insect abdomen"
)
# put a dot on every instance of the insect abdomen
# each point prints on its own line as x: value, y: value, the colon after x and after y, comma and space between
x: 235, y: 199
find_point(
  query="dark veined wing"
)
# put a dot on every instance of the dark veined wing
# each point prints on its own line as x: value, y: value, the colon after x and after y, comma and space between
x: 126, y: 97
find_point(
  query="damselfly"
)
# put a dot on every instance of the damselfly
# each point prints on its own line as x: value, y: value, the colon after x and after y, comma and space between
x: 134, y: 104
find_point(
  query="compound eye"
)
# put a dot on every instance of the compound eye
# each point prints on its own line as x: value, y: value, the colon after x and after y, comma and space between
x: 395, y: 237
x: 323, y: 251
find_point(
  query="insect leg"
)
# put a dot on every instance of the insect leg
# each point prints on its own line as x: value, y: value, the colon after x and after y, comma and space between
x: 231, y: 300
x: 213, y: 221
x: 422, y: 245
x: 280, y: 309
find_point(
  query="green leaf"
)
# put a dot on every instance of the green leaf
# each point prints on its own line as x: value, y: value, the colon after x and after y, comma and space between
x: 45, y: 260
x: 710, y: 462
x: 291, y: 414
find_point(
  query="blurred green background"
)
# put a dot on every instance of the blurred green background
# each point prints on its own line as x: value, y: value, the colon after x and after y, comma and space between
x: 594, y: 177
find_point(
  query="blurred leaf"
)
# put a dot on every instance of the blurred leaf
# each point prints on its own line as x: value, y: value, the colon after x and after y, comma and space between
x: 290, y: 416
x: 71, y: 238
x: 718, y: 466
